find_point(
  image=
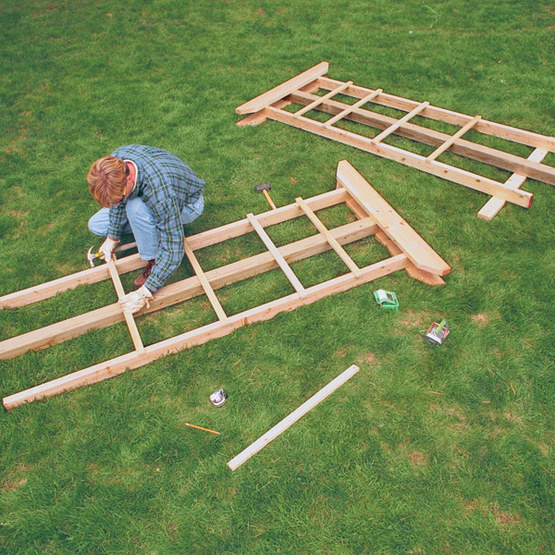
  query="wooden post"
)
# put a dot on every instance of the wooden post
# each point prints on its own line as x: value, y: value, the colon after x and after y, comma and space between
x: 288, y: 421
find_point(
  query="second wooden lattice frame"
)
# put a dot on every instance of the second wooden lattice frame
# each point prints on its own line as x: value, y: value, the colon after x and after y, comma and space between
x: 301, y: 90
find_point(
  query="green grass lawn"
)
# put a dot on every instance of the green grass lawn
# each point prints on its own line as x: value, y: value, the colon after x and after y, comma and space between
x: 427, y: 449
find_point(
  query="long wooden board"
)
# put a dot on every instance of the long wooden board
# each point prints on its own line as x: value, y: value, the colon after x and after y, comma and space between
x: 289, y: 420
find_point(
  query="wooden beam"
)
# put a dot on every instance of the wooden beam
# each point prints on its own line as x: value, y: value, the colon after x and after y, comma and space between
x: 468, y: 149
x: 130, y: 361
x: 398, y: 123
x: 494, y: 205
x: 389, y: 221
x: 286, y: 269
x: 441, y: 149
x: 352, y: 108
x: 340, y: 251
x: 457, y: 175
x: 89, y: 276
x: 205, y: 283
x: 273, y: 95
x: 484, y: 126
x: 295, y: 416
x: 198, y: 241
x: 129, y: 320
x: 183, y: 290
x: 323, y: 98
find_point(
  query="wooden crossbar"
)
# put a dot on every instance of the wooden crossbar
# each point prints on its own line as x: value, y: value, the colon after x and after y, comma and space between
x: 494, y: 205
x: 450, y: 142
x: 231, y: 273
x: 286, y: 269
x: 528, y: 167
x: 328, y: 236
x: 129, y: 320
x: 319, y: 101
x: 205, y: 283
x: 386, y: 132
x: 353, y: 107
x: 275, y: 94
x: 390, y: 222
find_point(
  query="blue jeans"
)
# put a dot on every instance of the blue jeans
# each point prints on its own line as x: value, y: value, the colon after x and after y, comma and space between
x: 140, y: 223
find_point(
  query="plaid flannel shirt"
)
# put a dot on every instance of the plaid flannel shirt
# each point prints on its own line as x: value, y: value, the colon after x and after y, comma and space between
x: 166, y: 184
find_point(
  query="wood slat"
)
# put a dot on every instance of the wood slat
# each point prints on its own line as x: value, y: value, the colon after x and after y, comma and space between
x: 323, y: 98
x: 278, y: 92
x: 286, y: 269
x: 289, y: 420
x: 441, y: 149
x: 129, y: 320
x: 205, y: 283
x: 457, y: 175
x: 130, y: 361
x: 397, y: 124
x: 340, y: 251
x: 352, y: 108
x: 390, y: 222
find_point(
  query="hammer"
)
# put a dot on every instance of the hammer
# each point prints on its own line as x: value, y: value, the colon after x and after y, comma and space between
x: 264, y: 188
x: 92, y: 255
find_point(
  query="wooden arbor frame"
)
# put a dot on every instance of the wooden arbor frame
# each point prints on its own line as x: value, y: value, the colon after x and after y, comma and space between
x: 301, y: 90
x: 375, y: 217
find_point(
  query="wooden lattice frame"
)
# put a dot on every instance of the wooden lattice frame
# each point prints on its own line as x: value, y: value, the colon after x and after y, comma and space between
x: 301, y: 90
x: 375, y: 217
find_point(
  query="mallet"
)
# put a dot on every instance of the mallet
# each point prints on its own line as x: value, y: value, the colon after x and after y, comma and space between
x: 264, y: 188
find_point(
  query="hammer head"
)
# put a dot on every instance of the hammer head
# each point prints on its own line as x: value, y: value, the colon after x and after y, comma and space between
x: 262, y: 187
x: 90, y: 257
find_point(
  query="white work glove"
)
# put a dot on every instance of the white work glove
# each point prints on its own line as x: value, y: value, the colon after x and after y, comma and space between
x: 134, y: 301
x: 107, y: 248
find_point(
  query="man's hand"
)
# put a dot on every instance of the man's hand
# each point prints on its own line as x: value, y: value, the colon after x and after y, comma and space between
x: 134, y: 301
x: 107, y: 248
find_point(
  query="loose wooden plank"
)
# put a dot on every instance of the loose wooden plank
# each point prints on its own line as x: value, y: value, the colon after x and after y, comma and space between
x: 185, y: 289
x: 439, y: 150
x: 289, y: 420
x: 286, y: 269
x: 398, y: 123
x: 494, y: 205
x: 323, y: 98
x: 340, y: 251
x: 449, y: 116
x: 129, y: 320
x: 462, y: 147
x: 390, y: 222
x: 457, y: 175
x: 353, y: 107
x: 278, y: 92
x: 205, y: 283
x: 130, y: 361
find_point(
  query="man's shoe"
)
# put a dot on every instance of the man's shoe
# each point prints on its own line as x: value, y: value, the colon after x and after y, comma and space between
x: 141, y: 278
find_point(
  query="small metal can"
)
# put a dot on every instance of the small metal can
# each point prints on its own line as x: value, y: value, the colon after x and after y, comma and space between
x: 218, y: 398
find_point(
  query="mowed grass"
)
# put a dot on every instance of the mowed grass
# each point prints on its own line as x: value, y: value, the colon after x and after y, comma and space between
x: 427, y: 449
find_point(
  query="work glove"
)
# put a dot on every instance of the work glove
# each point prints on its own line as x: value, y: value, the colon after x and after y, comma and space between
x: 107, y: 248
x: 134, y: 301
